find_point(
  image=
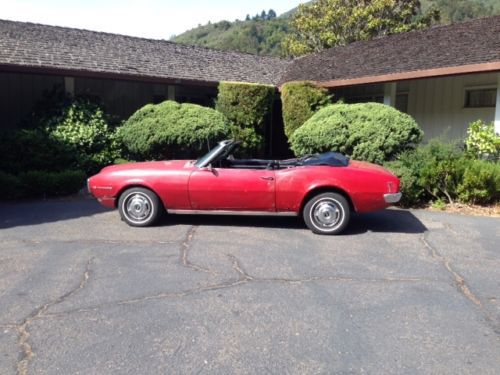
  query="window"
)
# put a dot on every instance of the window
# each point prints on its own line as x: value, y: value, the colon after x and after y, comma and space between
x: 479, y: 98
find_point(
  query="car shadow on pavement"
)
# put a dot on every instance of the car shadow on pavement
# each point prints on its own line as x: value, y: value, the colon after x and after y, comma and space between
x: 390, y: 220
x: 46, y: 211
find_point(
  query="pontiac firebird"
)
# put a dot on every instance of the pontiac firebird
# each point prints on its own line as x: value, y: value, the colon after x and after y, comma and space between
x: 322, y: 188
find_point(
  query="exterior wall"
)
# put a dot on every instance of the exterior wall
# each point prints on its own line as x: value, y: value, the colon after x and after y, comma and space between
x: 437, y: 104
x: 19, y: 93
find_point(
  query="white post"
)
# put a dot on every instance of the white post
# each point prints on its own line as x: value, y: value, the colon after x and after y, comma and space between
x: 390, y: 94
x: 171, y: 93
x: 69, y: 85
x: 497, y: 107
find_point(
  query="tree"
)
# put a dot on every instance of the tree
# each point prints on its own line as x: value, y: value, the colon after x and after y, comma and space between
x: 271, y: 14
x: 247, y: 18
x: 263, y: 15
x: 327, y: 23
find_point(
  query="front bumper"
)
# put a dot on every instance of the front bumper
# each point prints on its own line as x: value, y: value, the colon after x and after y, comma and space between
x: 392, y: 197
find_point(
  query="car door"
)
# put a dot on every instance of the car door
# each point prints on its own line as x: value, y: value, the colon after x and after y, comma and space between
x: 232, y: 189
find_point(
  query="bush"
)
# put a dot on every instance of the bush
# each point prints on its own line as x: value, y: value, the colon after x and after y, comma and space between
x: 10, y: 186
x: 247, y: 107
x: 83, y: 127
x: 34, y: 149
x: 171, y: 130
x: 482, y: 141
x: 442, y: 172
x: 366, y: 131
x: 300, y: 101
x: 480, y: 183
x: 34, y: 184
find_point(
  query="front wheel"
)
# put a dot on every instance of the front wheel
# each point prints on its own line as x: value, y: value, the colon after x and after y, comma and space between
x: 327, y: 213
x: 139, y: 207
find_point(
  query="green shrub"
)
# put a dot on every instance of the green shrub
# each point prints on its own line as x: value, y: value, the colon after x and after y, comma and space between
x: 440, y: 172
x: 482, y: 141
x: 171, y: 130
x: 10, y: 186
x: 247, y: 106
x: 300, y: 101
x: 51, y: 184
x: 34, y: 184
x: 366, y: 131
x: 480, y: 183
x: 83, y: 127
x: 34, y: 149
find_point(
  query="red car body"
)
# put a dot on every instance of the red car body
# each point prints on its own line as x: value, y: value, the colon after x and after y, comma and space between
x: 182, y: 186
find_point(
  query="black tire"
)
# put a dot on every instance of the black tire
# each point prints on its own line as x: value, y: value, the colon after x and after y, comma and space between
x: 327, y: 213
x: 139, y: 207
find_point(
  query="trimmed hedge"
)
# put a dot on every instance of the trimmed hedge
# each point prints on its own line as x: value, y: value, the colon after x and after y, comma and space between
x: 247, y: 106
x: 300, y: 101
x: 366, y: 131
x: 34, y: 184
x: 172, y: 130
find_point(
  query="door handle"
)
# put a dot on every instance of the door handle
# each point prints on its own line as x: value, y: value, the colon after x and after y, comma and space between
x: 269, y: 178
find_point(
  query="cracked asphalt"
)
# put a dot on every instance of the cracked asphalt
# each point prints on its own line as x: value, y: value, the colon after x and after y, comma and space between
x: 401, y: 292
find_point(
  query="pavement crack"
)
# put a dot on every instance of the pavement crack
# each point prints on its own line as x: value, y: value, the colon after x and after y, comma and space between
x: 26, y: 349
x: 244, y: 278
x: 237, y: 266
x: 184, y: 253
x: 457, y: 278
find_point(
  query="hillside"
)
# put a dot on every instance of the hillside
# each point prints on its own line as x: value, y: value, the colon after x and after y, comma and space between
x: 262, y: 34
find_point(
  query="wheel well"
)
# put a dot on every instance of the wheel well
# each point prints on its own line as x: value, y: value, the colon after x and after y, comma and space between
x: 327, y: 189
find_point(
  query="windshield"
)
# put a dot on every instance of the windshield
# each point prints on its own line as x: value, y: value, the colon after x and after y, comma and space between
x: 204, y: 160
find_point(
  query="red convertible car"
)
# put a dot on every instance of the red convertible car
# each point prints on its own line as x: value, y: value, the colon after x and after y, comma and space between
x: 323, y: 188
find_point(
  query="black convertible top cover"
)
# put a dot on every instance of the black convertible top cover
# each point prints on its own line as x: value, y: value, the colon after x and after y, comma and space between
x: 333, y: 159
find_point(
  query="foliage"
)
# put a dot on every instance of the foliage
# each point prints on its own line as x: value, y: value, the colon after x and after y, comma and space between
x: 170, y: 129
x: 82, y: 126
x: 247, y: 107
x: 33, y: 184
x: 300, y: 101
x: 257, y: 36
x: 366, y: 131
x: 482, y: 141
x: 480, y: 183
x: 34, y: 149
x: 327, y: 23
x: 462, y: 10
x: 441, y: 171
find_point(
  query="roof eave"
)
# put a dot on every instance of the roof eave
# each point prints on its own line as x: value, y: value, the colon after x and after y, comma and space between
x: 416, y: 74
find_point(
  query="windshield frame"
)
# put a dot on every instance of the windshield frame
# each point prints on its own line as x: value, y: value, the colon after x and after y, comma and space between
x: 214, y: 154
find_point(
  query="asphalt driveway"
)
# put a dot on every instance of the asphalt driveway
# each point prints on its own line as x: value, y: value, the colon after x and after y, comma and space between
x: 401, y: 292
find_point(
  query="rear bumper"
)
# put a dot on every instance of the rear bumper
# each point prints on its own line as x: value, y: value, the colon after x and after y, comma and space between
x: 392, y: 197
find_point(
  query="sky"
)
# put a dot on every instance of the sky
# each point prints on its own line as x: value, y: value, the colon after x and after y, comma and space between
x: 145, y: 18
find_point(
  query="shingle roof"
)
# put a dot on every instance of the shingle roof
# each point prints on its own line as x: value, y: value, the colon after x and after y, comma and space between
x: 52, y: 48
x: 59, y: 48
x: 466, y: 43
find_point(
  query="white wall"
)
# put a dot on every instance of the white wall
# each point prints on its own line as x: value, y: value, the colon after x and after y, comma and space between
x: 438, y: 104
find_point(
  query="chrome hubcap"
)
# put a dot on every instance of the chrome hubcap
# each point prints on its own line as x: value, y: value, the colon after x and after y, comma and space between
x: 326, y: 214
x: 138, y: 207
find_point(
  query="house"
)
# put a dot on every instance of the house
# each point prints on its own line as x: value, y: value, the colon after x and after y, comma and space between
x: 445, y: 76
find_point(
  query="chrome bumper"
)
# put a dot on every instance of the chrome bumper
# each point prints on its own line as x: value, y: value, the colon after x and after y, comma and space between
x: 392, y: 198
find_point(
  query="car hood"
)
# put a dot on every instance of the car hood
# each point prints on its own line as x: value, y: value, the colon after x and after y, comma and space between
x: 148, y: 165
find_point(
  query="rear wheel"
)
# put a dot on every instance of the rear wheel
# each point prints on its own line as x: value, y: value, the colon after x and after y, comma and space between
x: 327, y: 213
x: 139, y: 207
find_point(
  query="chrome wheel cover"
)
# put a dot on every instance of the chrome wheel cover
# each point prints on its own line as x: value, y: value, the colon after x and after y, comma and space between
x: 326, y: 214
x: 137, y: 207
